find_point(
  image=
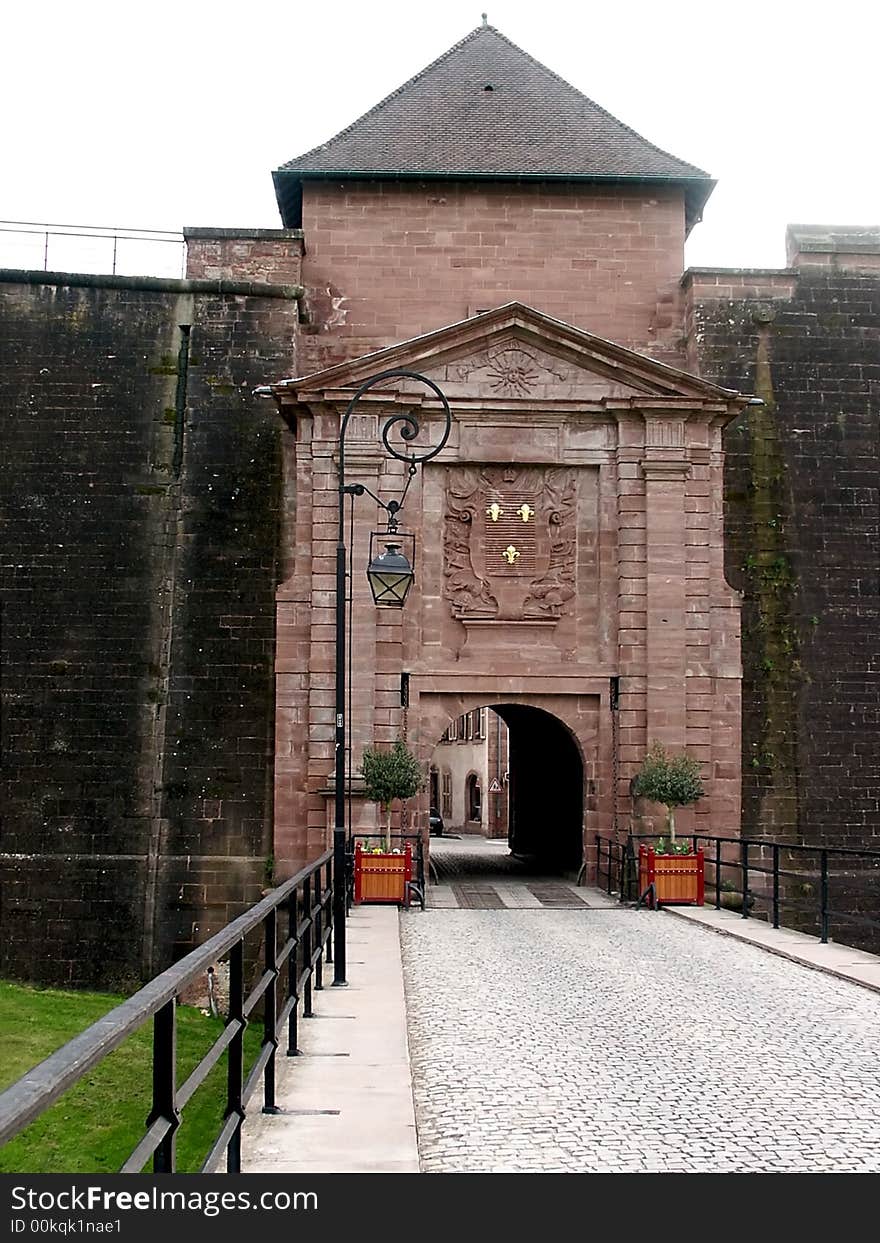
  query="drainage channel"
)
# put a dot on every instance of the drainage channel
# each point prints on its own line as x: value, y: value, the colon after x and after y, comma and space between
x: 478, y: 897
x: 473, y: 896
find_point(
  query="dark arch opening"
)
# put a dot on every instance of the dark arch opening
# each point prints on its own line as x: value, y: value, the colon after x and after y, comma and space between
x: 546, y: 788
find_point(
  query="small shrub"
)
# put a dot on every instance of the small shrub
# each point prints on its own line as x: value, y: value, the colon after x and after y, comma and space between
x: 389, y: 775
x: 673, y: 780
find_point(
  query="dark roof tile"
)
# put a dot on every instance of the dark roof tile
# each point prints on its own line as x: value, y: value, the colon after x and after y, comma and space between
x: 445, y: 122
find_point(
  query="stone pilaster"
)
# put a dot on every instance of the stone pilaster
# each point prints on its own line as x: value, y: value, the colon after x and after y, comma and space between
x: 666, y: 622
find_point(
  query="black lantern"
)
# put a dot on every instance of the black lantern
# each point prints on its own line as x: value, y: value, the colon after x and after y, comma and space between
x: 390, y: 573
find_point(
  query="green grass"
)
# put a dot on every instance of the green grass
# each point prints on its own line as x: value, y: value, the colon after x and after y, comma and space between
x: 96, y: 1124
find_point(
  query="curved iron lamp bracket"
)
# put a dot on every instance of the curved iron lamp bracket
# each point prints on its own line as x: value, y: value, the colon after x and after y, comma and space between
x: 409, y: 429
x: 408, y: 418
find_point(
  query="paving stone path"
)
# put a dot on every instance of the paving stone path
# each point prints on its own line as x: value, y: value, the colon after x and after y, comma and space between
x: 616, y: 1040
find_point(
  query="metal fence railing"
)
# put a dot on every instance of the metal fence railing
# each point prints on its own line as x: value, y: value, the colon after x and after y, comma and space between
x: 821, y: 889
x: 299, y: 915
x: 32, y: 246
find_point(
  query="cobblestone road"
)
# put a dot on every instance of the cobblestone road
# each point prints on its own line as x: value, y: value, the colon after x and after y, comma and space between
x: 616, y: 1040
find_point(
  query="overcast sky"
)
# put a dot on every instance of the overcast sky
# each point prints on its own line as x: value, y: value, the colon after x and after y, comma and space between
x: 174, y: 113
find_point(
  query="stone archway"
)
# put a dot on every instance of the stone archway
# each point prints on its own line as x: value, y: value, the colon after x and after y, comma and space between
x: 554, y: 749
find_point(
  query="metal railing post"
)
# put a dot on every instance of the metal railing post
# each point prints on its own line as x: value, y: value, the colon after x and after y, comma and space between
x: 235, y: 1056
x: 745, y: 879
x: 165, y: 1085
x: 823, y: 896
x: 349, y: 880
x: 270, y: 1010
x: 292, y: 977
x: 775, y: 884
x: 717, y: 873
x: 328, y: 884
x: 319, y: 929
x: 307, y: 950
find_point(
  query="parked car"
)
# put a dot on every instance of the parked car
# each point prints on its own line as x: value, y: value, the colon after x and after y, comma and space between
x: 435, y: 822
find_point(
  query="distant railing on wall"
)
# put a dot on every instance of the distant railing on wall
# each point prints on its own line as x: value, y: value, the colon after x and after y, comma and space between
x: 832, y: 892
x: 101, y: 249
x: 293, y: 927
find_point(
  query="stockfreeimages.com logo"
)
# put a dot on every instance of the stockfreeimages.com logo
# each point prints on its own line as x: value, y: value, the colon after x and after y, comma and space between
x: 208, y: 1203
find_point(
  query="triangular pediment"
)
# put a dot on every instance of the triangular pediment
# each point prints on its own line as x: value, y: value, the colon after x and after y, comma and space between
x: 514, y: 355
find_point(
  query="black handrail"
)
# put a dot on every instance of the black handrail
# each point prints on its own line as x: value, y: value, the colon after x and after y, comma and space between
x: 746, y: 857
x: 307, y: 898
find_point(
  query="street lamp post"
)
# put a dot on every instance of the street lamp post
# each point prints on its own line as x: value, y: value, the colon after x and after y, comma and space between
x: 390, y: 575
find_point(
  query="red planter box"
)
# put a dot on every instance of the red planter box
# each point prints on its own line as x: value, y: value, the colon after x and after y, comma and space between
x: 381, y: 877
x: 678, y: 880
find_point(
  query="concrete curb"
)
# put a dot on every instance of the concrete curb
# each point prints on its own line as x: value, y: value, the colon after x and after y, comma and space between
x: 813, y: 947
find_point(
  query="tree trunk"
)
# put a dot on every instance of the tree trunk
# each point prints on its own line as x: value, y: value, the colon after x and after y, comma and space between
x: 671, y: 824
x: 387, y: 827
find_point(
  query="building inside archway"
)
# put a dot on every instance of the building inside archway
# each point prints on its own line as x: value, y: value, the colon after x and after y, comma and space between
x: 469, y: 775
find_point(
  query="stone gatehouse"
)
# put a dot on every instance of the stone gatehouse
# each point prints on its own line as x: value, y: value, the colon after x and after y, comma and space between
x: 570, y: 535
x: 570, y: 548
x: 167, y: 538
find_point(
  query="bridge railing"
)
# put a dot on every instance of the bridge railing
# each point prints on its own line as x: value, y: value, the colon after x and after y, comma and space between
x: 786, y: 883
x: 29, y: 245
x: 298, y: 914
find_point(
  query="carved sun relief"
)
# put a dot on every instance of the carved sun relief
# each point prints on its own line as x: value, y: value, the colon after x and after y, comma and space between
x: 512, y: 373
x: 510, y: 370
x: 510, y: 542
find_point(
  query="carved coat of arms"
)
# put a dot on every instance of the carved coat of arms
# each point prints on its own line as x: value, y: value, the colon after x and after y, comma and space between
x: 510, y: 542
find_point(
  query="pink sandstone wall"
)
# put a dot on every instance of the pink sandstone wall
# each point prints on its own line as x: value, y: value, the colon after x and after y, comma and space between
x: 269, y: 256
x: 386, y: 261
x: 633, y: 485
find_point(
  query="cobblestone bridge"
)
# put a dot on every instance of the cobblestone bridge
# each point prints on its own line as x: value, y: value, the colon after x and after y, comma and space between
x: 534, y: 1026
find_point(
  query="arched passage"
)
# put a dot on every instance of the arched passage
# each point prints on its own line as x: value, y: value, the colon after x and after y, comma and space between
x: 546, y: 793
x: 537, y: 762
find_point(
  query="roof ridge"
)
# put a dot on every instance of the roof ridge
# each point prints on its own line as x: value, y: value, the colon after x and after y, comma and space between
x: 478, y: 31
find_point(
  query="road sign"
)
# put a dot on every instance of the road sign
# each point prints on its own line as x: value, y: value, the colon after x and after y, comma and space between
x: 495, y: 787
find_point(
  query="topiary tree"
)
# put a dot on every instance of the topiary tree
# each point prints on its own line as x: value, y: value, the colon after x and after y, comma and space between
x: 673, y: 780
x: 389, y: 775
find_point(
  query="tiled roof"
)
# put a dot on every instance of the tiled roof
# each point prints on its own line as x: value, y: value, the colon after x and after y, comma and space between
x: 485, y: 109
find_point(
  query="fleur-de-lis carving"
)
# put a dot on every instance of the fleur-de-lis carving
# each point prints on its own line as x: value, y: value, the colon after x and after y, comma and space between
x: 494, y: 511
x: 525, y: 512
x: 510, y: 554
